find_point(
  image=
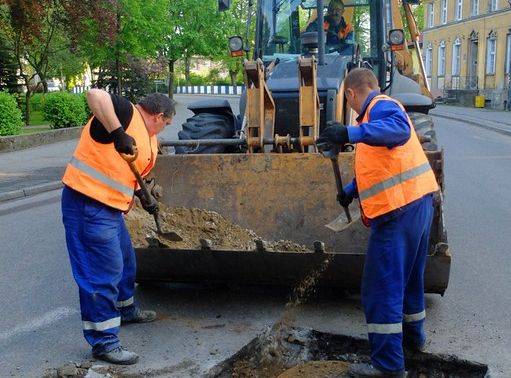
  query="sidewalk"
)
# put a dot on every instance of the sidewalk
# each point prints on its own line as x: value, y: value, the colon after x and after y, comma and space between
x: 494, y: 120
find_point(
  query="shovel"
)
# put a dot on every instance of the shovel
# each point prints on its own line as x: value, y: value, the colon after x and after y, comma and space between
x: 345, y: 219
x: 170, y: 235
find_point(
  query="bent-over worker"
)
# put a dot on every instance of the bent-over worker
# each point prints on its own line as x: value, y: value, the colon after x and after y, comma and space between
x: 98, y: 188
x: 394, y: 184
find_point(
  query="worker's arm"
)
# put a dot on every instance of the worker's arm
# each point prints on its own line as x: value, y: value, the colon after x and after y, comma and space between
x: 388, y: 127
x: 351, y: 189
x: 101, y: 105
x: 112, y: 116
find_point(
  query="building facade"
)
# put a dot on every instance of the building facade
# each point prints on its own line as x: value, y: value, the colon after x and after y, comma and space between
x: 467, y: 49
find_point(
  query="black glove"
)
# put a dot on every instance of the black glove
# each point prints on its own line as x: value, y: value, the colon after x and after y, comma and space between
x: 123, y: 143
x: 334, y: 133
x: 345, y: 199
x: 150, y: 205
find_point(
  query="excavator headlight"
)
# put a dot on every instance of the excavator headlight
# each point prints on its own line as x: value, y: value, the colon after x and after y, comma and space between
x: 236, y: 46
x: 396, y: 39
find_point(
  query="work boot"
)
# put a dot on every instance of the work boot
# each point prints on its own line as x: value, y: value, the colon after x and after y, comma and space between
x: 139, y: 316
x: 368, y: 370
x: 118, y: 356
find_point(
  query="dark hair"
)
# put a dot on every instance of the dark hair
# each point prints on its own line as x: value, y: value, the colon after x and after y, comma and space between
x: 156, y: 103
x: 360, y: 77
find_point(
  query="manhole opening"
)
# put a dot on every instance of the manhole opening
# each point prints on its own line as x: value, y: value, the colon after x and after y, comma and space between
x: 287, y: 352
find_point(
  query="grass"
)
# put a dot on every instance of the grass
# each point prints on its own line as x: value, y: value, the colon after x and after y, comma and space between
x: 37, y: 118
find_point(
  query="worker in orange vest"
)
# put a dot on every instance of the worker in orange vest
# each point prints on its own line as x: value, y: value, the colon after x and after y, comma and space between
x: 339, y: 32
x: 394, y: 184
x: 98, y: 188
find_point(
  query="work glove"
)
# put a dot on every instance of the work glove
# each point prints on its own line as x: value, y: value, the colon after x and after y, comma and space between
x: 345, y: 199
x: 334, y: 133
x: 148, y: 204
x: 123, y: 142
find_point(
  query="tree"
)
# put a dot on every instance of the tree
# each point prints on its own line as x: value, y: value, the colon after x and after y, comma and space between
x: 36, y: 33
x: 118, y: 30
x: 189, y: 34
x: 235, y: 24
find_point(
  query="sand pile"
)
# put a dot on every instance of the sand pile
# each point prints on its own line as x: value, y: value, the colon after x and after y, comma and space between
x: 196, y: 224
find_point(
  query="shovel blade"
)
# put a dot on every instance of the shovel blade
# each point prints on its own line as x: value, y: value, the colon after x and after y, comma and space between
x: 341, y: 222
x: 171, y: 235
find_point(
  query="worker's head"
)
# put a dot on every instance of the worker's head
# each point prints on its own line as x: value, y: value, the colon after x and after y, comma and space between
x: 335, y: 10
x: 157, y: 111
x: 357, y: 85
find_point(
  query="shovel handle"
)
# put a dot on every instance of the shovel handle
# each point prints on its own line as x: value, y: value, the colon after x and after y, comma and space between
x: 338, y: 183
x: 130, y: 159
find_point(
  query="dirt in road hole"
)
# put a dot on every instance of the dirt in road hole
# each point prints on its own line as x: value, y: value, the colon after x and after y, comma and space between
x: 309, y: 369
x: 193, y: 224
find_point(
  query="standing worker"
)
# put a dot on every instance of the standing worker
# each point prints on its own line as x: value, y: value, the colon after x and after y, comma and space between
x: 395, y: 185
x: 98, y: 188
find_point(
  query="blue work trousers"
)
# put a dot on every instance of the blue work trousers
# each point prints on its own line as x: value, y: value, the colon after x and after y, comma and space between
x: 393, y: 282
x: 103, y: 264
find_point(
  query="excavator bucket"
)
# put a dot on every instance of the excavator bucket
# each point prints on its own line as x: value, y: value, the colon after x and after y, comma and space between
x: 279, y: 197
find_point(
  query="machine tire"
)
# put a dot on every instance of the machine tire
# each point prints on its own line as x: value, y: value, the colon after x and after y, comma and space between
x: 424, y: 126
x: 205, y: 126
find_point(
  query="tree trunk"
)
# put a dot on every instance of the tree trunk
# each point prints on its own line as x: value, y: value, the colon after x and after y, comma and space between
x: 118, y: 73
x: 233, y: 75
x: 28, y: 94
x: 187, y: 69
x: 171, y: 78
x: 117, y: 58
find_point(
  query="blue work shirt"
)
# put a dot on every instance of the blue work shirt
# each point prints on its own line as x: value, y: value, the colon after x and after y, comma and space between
x: 388, y: 126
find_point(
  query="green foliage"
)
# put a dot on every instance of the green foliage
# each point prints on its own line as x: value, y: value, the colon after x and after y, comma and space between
x: 11, y: 122
x: 37, y: 101
x: 83, y: 98
x: 64, y: 109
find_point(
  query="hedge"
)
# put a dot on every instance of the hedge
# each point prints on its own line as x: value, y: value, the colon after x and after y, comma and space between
x: 64, y: 109
x: 11, y: 121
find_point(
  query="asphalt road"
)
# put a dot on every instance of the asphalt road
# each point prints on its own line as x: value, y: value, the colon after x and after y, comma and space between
x: 40, y: 324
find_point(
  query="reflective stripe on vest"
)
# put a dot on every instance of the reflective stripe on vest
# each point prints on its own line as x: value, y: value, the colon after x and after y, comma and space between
x: 393, y: 181
x: 390, y: 178
x: 99, y: 172
x: 101, y: 177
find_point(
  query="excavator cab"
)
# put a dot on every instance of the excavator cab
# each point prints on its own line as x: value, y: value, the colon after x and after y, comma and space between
x: 259, y: 168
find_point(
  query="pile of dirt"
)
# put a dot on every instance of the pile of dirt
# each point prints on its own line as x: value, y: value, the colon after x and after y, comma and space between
x: 196, y: 224
x: 317, y: 369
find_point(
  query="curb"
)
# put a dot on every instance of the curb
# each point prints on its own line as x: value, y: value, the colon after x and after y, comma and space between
x: 470, y: 122
x: 30, y: 191
x: 21, y: 142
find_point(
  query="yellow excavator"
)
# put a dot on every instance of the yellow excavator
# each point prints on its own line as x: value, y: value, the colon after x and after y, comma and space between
x: 260, y: 168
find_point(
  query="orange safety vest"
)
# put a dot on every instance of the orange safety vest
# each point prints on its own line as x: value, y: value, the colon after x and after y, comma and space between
x: 390, y: 178
x: 98, y: 171
x: 342, y: 33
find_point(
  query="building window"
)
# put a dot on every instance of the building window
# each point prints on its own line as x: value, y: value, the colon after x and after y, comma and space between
x: 508, y: 55
x: 443, y: 12
x: 441, y: 59
x: 456, y: 57
x: 429, y: 60
x: 431, y: 15
x: 491, y: 53
x: 493, y: 5
x: 474, y: 7
x: 458, y: 11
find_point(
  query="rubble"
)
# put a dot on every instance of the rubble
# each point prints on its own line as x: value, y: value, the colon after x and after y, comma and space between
x: 194, y: 225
